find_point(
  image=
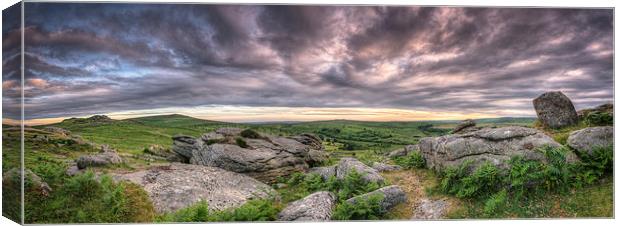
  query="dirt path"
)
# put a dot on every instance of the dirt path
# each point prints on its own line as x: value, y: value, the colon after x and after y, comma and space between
x: 414, y: 183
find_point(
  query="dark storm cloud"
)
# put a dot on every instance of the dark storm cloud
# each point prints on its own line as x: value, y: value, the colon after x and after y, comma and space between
x: 98, y: 58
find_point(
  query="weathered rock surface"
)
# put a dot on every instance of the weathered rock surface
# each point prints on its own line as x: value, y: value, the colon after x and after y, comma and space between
x: 57, y: 130
x: 34, y: 182
x: 463, y: 125
x: 382, y: 167
x: 404, y: 151
x: 184, y: 145
x: 555, y: 110
x: 392, y: 196
x: 106, y: 156
x: 585, y: 140
x: 264, y: 157
x: 181, y: 185
x: 315, y: 207
x: 430, y: 209
x: 346, y: 165
x: 325, y: 172
x: 495, y: 145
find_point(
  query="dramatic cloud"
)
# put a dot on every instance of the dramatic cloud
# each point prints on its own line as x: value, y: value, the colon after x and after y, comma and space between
x: 84, y: 59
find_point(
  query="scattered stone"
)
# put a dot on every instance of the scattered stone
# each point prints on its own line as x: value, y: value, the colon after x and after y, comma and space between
x: 346, y: 165
x: 404, y: 151
x: 465, y: 124
x: 382, y: 167
x: 494, y: 145
x: 57, y: 130
x: 325, y: 172
x: 585, y: 140
x: 317, y: 206
x: 106, y: 156
x: 73, y: 170
x: 181, y: 185
x: 392, y: 196
x: 427, y: 209
x: 33, y: 181
x: 555, y: 110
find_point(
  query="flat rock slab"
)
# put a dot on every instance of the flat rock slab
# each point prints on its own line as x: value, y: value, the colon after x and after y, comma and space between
x: 317, y: 206
x: 181, y: 185
x: 427, y: 209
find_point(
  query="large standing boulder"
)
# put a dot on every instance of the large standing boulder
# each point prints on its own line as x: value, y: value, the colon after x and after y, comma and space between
x: 555, y: 110
x: 494, y: 145
x: 315, y: 207
x: 347, y: 165
x: 107, y: 156
x: 585, y: 140
x: 392, y: 196
x: 181, y: 185
x: 261, y: 156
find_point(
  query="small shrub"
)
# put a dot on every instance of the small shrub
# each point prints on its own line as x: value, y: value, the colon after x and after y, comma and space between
x: 251, y: 134
x: 451, y: 176
x: 412, y: 160
x: 362, y: 209
x: 555, y: 173
x: 241, y: 143
x: 523, y: 175
x: 483, y: 180
x: 496, y: 203
x: 596, y: 118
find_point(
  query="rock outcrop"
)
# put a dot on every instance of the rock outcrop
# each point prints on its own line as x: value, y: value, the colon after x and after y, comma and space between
x: 181, y: 185
x: 106, y: 156
x: 315, y: 207
x: 382, y: 167
x: 403, y: 151
x: 261, y: 156
x: 392, y: 196
x: 464, y: 126
x: 347, y: 165
x: 495, y: 145
x: 585, y: 140
x: 604, y: 108
x: 555, y: 110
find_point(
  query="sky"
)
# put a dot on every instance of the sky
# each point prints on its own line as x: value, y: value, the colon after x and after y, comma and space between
x: 245, y: 63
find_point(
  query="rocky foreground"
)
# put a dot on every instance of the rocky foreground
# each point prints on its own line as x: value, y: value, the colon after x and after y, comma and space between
x: 230, y: 166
